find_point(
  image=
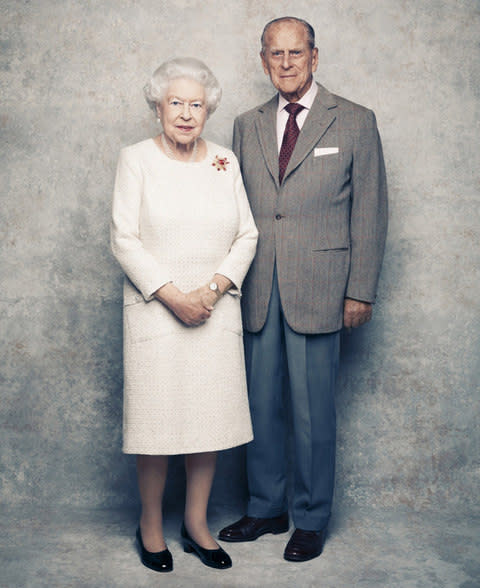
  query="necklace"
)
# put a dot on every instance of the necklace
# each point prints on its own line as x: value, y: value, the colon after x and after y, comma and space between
x: 169, y: 151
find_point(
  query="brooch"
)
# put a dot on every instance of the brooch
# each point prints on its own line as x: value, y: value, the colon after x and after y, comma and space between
x: 220, y: 163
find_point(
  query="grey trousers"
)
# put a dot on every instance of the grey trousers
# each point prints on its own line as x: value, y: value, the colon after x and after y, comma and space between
x: 309, y: 364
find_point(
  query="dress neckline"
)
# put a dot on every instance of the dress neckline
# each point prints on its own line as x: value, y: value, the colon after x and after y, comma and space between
x: 177, y: 161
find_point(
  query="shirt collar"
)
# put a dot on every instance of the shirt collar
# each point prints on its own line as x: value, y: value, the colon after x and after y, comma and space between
x: 306, y: 100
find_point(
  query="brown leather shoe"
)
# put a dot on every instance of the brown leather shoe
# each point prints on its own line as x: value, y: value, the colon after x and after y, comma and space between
x: 304, y: 545
x: 251, y: 528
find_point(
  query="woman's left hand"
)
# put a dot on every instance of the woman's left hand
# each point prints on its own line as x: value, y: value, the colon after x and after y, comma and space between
x: 207, y: 297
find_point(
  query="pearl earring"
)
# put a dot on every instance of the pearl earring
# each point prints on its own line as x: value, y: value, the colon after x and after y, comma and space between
x: 158, y: 120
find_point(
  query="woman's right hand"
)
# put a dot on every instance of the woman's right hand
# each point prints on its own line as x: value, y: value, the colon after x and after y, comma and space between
x: 189, y: 308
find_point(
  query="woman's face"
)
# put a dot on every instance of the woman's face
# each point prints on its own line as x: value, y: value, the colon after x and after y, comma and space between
x: 183, y: 111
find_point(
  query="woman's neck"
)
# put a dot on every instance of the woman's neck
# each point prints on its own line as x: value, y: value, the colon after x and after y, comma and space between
x: 179, y: 151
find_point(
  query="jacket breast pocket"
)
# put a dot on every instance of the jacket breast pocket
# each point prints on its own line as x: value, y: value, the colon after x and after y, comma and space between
x: 323, y: 151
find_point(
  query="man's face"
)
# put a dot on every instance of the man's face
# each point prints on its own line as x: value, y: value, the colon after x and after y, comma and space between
x: 288, y: 59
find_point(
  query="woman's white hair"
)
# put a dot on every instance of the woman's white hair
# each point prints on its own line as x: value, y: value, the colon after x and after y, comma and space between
x: 182, y: 67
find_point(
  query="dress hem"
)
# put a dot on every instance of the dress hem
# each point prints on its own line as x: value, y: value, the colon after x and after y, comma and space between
x: 130, y: 451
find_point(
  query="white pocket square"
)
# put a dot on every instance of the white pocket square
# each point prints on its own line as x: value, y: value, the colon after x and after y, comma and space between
x: 319, y: 151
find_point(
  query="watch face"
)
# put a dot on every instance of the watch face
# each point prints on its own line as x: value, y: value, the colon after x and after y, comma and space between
x: 213, y: 286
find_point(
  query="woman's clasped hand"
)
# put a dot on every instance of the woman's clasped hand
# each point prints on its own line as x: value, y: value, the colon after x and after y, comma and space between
x: 192, y: 308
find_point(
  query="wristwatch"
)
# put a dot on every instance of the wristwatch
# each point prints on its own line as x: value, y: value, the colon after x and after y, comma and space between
x: 214, y: 288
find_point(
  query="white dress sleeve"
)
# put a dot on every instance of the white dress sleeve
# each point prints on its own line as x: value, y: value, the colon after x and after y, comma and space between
x: 236, y: 263
x: 138, y: 264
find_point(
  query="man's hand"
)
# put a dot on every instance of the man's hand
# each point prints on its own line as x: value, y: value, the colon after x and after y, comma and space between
x: 356, y: 313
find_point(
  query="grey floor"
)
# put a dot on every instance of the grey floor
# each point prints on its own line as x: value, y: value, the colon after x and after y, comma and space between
x: 365, y: 548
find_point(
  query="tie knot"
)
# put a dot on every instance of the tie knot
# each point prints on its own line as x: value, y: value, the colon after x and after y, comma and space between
x: 294, y: 108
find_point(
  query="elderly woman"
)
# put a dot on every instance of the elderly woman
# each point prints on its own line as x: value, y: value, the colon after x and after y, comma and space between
x: 184, y: 235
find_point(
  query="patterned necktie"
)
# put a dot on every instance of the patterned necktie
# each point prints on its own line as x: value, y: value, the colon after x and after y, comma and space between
x: 290, y: 137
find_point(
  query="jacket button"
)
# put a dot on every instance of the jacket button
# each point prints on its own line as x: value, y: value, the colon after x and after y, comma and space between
x: 278, y: 216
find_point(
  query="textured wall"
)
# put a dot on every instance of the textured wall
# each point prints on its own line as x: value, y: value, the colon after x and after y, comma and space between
x: 71, y: 88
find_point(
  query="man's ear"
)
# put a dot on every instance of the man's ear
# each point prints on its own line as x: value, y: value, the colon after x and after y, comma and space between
x: 264, y: 64
x: 314, y: 58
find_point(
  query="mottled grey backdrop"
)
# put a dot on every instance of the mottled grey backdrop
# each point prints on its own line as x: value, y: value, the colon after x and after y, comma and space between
x: 71, y: 96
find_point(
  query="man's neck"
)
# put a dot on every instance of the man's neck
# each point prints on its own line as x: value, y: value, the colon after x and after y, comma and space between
x: 296, y: 96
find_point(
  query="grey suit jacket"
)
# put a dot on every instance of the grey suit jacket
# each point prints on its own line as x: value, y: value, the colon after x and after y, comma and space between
x: 325, y: 225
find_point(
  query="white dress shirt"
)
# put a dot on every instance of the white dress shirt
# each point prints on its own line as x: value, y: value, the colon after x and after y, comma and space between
x: 282, y: 115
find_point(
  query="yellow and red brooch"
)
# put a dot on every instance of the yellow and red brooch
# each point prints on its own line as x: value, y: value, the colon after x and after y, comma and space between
x: 220, y: 163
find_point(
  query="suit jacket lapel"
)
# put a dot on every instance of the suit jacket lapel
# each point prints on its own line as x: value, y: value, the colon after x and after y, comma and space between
x: 320, y: 117
x: 266, y: 125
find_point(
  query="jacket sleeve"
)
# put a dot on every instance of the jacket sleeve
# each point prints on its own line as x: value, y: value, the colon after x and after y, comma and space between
x: 236, y: 263
x: 368, y: 219
x: 138, y: 264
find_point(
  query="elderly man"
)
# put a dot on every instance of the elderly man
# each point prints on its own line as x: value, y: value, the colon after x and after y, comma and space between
x: 313, y: 168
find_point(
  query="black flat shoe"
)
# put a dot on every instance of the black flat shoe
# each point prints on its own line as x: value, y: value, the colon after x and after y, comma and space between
x: 214, y: 558
x: 161, y: 561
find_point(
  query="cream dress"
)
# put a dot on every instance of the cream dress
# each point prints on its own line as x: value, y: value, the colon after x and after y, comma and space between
x: 184, y: 387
